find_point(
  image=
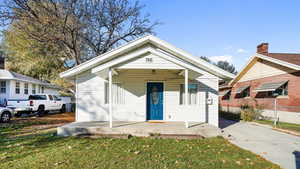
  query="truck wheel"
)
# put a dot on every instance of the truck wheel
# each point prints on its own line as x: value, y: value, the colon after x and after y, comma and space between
x: 5, y: 117
x: 63, y: 108
x: 41, y: 111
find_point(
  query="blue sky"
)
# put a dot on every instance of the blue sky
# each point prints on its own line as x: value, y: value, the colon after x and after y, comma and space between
x: 228, y: 29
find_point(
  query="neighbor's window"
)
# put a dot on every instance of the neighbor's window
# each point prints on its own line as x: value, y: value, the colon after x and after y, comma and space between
x: 118, y: 95
x: 17, y: 88
x: 3, y: 87
x: 269, y: 93
x: 192, y: 95
x: 33, y: 88
x: 246, y: 92
x: 227, y: 96
x: 26, y: 88
x: 283, y: 90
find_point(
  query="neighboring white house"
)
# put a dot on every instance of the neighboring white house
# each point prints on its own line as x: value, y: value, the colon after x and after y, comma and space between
x: 147, y: 79
x: 17, y: 86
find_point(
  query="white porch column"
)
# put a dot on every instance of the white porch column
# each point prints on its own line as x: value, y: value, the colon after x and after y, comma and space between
x: 110, y: 96
x: 186, y: 90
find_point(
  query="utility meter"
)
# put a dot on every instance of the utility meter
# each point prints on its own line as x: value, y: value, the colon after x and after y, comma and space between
x: 209, y: 101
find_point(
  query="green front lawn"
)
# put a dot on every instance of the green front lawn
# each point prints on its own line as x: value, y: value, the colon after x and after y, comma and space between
x: 45, y: 150
x: 281, y: 125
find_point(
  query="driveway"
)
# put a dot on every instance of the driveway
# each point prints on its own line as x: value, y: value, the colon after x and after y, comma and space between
x: 280, y: 148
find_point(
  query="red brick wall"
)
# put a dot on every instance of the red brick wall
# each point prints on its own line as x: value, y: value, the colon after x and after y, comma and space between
x: 290, y: 103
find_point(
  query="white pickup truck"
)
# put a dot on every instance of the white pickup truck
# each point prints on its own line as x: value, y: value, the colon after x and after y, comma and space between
x: 41, y: 103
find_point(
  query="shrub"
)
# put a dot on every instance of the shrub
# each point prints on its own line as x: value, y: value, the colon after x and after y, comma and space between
x: 249, y: 113
x: 245, y: 106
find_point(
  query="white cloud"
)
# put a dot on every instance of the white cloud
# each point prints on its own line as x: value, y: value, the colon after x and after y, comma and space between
x: 227, y: 58
x: 241, y: 51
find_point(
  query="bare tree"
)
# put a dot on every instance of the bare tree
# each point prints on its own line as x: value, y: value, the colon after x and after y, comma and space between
x: 82, y: 29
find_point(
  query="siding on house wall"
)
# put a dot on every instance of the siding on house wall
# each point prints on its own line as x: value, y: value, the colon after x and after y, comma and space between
x: 90, y: 98
x: 91, y: 107
x: 209, y: 89
x: 263, y: 69
x: 51, y: 91
x: 11, y: 90
x: 21, y: 95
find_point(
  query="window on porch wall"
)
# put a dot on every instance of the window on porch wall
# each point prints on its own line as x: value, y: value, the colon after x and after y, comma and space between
x: 192, y: 95
x: 118, y: 95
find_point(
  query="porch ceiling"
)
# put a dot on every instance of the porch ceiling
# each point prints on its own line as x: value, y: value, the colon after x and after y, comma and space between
x: 180, y: 73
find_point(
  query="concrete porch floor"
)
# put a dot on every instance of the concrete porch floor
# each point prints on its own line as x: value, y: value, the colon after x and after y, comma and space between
x: 138, y: 129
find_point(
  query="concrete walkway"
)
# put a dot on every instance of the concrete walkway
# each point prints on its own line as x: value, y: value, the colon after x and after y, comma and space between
x: 138, y: 129
x: 277, y: 147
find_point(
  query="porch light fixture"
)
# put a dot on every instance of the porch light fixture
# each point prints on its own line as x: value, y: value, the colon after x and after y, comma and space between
x: 153, y: 71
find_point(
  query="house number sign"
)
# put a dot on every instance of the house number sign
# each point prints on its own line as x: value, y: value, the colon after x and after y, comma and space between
x: 149, y: 60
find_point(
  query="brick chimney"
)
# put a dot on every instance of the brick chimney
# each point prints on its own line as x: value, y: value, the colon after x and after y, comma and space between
x: 263, y: 48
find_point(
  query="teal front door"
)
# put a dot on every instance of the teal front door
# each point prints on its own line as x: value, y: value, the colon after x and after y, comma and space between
x: 155, y: 101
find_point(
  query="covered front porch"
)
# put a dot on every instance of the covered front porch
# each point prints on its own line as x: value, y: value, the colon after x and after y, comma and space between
x: 134, y: 91
x: 147, y: 84
x: 144, y: 129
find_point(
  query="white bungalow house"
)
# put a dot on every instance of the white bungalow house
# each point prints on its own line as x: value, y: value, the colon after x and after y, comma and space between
x: 15, y: 86
x: 147, y: 79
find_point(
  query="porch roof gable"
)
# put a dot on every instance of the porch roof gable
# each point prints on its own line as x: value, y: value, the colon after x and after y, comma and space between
x: 152, y: 51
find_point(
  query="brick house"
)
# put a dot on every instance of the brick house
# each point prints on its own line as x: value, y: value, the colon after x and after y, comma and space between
x: 265, y: 77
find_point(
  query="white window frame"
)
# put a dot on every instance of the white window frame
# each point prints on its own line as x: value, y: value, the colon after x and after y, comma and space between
x: 42, y: 89
x: 246, y: 93
x: 117, y: 88
x: 182, y: 93
x: 3, y: 88
x: 18, y: 88
x: 26, y: 88
x: 33, y: 89
x: 284, y: 90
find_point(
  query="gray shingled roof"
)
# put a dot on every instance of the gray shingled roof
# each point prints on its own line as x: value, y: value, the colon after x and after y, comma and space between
x: 10, y: 75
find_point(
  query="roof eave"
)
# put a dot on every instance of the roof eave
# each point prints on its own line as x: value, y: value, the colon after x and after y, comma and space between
x: 264, y: 57
x: 139, y: 42
x: 278, y: 61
